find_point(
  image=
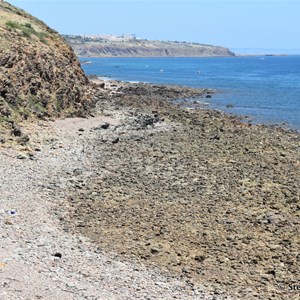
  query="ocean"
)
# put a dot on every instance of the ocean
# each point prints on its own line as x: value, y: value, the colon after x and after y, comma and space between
x: 266, y: 89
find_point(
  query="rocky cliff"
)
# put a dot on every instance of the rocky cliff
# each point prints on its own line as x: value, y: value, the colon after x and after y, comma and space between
x: 89, y: 46
x: 40, y: 75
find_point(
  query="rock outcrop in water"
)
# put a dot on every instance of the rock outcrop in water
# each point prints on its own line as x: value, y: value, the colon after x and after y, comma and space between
x: 94, y: 46
x: 40, y: 75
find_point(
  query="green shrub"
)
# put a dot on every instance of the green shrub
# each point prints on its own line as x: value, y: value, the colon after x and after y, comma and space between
x: 42, y: 37
x: 12, y: 25
x: 26, y: 33
x: 27, y: 30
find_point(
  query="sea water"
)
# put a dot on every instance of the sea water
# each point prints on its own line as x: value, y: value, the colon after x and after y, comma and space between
x: 264, y: 88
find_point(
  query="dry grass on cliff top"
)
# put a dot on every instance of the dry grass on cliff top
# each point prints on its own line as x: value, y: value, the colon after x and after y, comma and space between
x: 17, y: 22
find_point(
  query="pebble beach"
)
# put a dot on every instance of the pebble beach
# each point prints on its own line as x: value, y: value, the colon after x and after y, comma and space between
x: 146, y: 199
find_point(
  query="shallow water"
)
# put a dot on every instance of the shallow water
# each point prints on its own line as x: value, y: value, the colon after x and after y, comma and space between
x: 265, y: 88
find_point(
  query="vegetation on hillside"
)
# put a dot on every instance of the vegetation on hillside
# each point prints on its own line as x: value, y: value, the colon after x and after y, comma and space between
x: 40, y: 76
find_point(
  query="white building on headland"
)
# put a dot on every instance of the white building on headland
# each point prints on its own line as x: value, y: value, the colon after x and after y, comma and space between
x: 111, y: 37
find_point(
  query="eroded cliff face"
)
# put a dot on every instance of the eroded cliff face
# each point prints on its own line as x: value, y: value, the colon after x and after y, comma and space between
x: 95, y: 50
x: 40, y: 75
x: 100, y: 47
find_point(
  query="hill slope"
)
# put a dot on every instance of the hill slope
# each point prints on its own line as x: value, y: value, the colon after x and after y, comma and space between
x: 40, y: 75
x: 111, y: 46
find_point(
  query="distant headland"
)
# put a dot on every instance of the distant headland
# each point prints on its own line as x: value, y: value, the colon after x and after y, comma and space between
x: 103, y: 45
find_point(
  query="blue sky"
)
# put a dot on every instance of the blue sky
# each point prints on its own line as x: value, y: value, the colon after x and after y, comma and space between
x: 235, y: 24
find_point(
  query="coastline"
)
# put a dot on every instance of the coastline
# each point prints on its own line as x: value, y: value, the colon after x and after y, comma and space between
x: 196, y: 192
x: 192, y: 199
x: 246, y: 95
x: 158, y: 56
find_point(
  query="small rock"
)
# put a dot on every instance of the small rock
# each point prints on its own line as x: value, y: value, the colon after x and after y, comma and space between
x: 57, y: 255
x: 154, y: 250
x: 21, y: 156
x: 31, y: 156
x: 77, y: 172
x: 185, y: 270
x: 104, y: 125
x: 137, y: 138
x: 115, y: 140
x: 292, y: 200
x: 230, y: 238
x: 11, y: 212
x: 8, y: 222
x: 200, y: 258
x: 16, y: 131
x: 23, y: 139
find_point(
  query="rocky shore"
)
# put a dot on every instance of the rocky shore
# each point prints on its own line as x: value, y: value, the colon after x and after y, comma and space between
x: 195, y: 192
x: 147, y: 196
x: 149, y: 200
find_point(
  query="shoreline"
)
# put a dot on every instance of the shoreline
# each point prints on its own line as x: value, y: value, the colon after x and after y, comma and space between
x: 192, y: 191
x: 207, y: 56
x: 190, y: 104
x: 191, y: 203
x: 231, y: 99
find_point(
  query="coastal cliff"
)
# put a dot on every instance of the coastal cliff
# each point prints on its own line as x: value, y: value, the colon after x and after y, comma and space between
x: 112, y: 46
x: 40, y: 75
x: 146, y: 199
